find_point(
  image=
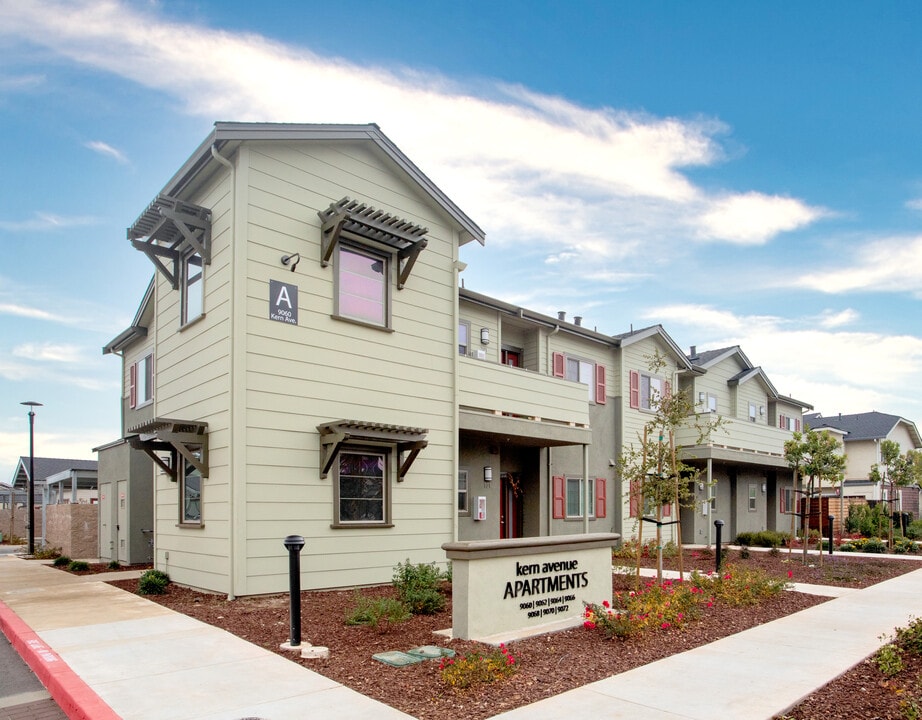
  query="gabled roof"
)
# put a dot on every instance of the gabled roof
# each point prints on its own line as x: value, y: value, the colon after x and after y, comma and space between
x: 629, y: 338
x: 227, y: 137
x: 709, y: 358
x: 754, y: 372
x: 138, y: 327
x: 864, y: 426
x: 46, y: 467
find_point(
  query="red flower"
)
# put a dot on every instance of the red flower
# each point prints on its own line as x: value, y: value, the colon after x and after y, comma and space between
x: 790, y: 574
x: 605, y: 603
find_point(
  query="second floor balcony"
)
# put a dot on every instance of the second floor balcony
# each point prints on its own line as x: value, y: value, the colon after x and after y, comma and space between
x: 734, y: 440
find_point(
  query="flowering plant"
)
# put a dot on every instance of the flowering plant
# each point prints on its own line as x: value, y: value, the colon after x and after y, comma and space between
x: 466, y: 670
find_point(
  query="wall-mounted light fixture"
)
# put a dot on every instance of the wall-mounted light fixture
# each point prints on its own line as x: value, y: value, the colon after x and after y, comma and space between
x: 761, y: 409
x: 485, y: 336
x: 763, y: 488
x: 487, y: 473
x: 292, y: 259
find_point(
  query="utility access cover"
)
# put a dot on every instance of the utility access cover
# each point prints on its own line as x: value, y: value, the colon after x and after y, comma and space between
x: 396, y: 658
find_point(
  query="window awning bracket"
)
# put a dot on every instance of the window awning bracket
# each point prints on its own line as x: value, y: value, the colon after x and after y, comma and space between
x: 169, y: 229
x: 334, y: 435
x: 187, y: 438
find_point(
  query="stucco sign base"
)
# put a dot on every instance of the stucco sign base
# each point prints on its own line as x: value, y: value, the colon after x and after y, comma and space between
x: 524, y: 586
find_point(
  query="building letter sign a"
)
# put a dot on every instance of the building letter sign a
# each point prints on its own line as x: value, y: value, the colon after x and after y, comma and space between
x: 283, y: 302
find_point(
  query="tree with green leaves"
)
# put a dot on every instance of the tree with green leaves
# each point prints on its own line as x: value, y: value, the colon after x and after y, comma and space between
x: 894, y: 471
x: 818, y: 458
x: 655, y: 474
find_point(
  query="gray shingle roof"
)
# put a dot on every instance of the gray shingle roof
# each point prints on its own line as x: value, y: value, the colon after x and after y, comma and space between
x: 46, y: 467
x: 860, y: 426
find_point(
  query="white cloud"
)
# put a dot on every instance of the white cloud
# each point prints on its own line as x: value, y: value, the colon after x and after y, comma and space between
x: 753, y: 218
x: 20, y: 82
x: 51, y: 352
x: 25, y: 311
x: 533, y: 168
x: 105, y: 149
x: 47, y: 221
x: 830, y: 319
x: 887, y: 265
x: 915, y: 204
x: 827, y: 368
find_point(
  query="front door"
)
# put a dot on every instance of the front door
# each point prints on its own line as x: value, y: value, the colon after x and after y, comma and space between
x: 122, y: 525
x: 511, y: 506
x: 106, y: 536
x: 512, y: 358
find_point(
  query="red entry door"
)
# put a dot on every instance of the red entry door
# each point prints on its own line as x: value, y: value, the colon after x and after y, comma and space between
x: 510, y: 507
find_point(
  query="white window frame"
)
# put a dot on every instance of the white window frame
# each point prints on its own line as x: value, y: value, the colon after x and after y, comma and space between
x: 753, y: 412
x: 578, y: 370
x: 464, y: 333
x: 647, y: 388
x: 144, y: 383
x: 379, y: 320
x: 464, y: 492
x: 788, y: 500
x: 753, y: 497
x: 192, y: 288
x: 571, y: 482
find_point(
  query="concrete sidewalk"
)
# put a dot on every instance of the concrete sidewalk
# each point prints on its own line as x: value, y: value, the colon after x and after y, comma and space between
x: 106, y: 654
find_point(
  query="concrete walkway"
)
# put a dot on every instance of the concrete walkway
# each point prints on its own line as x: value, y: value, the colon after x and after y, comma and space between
x: 106, y: 654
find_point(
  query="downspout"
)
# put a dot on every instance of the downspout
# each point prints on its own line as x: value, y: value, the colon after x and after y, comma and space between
x: 587, y: 485
x: 231, y: 526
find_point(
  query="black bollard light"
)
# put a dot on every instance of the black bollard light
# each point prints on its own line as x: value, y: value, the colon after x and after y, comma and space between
x: 719, y: 524
x: 294, y: 543
x: 831, y: 518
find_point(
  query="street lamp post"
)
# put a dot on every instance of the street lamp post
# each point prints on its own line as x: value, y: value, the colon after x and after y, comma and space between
x: 31, y: 405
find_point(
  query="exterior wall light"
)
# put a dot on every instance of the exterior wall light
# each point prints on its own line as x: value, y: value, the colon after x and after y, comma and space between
x: 487, y: 473
x: 485, y: 336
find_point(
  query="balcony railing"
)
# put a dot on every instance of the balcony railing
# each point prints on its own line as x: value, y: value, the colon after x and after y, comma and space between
x: 736, y: 435
x: 503, y: 390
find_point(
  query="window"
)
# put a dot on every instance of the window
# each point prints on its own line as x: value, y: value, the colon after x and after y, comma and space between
x: 361, y: 486
x: 753, y: 494
x: 141, y: 382
x: 362, y: 290
x: 652, y: 390
x: 190, y: 491
x: 707, y: 401
x: 463, y: 494
x: 568, y: 494
x: 583, y: 371
x: 192, y: 288
x: 752, y: 412
x: 464, y: 337
x: 787, y: 500
x: 789, y: 423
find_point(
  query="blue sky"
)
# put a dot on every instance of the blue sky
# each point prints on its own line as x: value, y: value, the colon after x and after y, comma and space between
x: 743, y: 173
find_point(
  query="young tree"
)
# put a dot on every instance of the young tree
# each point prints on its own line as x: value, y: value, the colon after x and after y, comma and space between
x: 816, y: 456
x: 656, y: 475
x: 895, y: 470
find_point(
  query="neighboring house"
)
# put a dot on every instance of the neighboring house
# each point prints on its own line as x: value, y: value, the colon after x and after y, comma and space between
x: 745, y: 480
x: 862, y: 434
x: 306, y: 362
x: 58, y: 481
x: 126, y: 475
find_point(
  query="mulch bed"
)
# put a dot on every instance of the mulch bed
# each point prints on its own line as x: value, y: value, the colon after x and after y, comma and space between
x: 547, y: 665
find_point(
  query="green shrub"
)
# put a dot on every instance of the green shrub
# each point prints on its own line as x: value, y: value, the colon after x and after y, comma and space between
x: 866, y: 519
x: 874, y: 545
x: 914, y: 530
x: 153, y: 582
x: 889, y: 660
x: 43, y: 553
x: 78, y: 565
x: 419, y: 587
x: 910, y: 637
x: 61, y: 561
x: 904, y: 546
x: 763, y: 538
x: 113, y: 565
x: 738, y: 585
x: 653, y: 607
x: 379, y: 613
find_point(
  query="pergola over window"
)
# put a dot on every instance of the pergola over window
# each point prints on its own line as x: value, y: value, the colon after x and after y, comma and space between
x: 171, y: 230
x: 186, y: 438
x: 354, y: 221
x: 334, y: 435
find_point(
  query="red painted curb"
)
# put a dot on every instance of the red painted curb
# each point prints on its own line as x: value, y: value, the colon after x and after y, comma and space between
x: 75, y: 697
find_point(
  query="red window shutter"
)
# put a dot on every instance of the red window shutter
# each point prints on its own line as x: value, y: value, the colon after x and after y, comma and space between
x: 667, y: 510
x: 559, y: 365
x: 635, y: 389
x: 560, y: 489
x: 600, y: 497
x: 600, y: 384
x: 133, y: 385
x: 781, y: 499
x: 667, y: 389
x: 782, y: 424
x: 634, y: 497
x: 797, y: 425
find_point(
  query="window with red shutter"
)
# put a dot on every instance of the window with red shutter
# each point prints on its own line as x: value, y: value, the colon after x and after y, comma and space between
x: 133, y: 385
x: 600, y: 497
x: 559, y: 362
x: 600, y: 384
x: 635, y: 389
x: 634, y: 496
x: 560, y: 497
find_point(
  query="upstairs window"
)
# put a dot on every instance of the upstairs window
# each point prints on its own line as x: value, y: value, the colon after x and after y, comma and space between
x: 464, y: 337
x: 707, y: 402
x: 788, y: 423
x: 192, y: 288
x: 582, y: 371
x: 753, y: 412
x: 646, y: 391
x: 362, y: 288
x: 141, y: 382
